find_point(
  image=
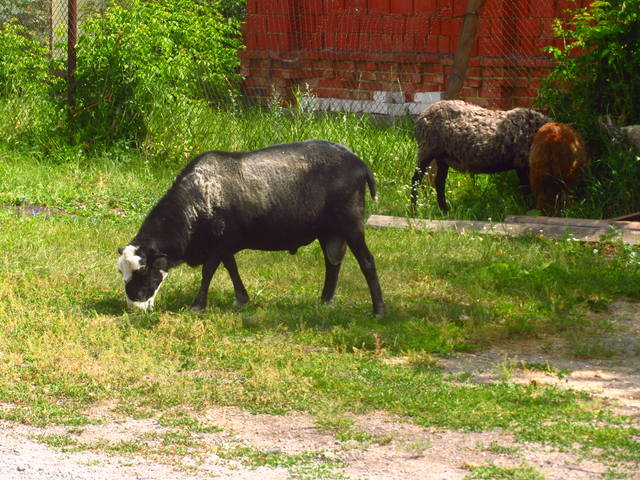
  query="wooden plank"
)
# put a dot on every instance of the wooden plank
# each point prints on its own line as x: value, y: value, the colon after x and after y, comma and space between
x: 631, y: 217
x: 578, y: 222
x: 578, y: 233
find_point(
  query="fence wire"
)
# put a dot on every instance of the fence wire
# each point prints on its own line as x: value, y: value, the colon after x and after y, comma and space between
x: 380, y: 57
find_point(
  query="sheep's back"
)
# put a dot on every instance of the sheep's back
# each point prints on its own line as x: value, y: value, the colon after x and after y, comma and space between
x: 477, y: 140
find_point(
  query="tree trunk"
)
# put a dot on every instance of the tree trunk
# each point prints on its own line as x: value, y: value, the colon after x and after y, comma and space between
x: 463, y: 49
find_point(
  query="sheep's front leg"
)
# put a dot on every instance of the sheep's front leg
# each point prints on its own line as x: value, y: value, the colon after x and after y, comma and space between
x: 242, y: 297
x: 208, y: 269
x: 523, y: 177
x: 441, y: 178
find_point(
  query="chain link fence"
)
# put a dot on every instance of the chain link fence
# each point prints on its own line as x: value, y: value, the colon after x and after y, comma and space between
x: 373, y: 58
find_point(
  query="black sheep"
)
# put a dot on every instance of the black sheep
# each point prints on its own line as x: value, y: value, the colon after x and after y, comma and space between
x: 278, y: 198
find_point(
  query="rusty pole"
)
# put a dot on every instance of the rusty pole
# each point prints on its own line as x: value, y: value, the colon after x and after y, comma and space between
x: 72, y: 38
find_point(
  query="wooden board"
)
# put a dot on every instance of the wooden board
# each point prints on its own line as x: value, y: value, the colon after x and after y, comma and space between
x: 583, y: 233
x: 575, y: 222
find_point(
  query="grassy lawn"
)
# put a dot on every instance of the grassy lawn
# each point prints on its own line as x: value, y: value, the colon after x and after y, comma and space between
x: 67, y: 342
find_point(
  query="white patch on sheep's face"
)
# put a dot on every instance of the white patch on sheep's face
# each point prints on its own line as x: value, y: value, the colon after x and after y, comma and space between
x: 129, y: 262
x: 147, y: 304
x: 142, y: 276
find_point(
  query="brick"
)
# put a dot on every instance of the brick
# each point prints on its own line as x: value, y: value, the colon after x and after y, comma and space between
x: 490, y: 92
x: 349, y: 23
x: 459, y: 8
x: 279, y: 24
x: 363, y: 42
x: 305, y: 23
x: 451, y: 27
x: 256, y: 23
x: 445, y: 6
x: 381, y: 6
x: 323, y: 23
x: 383, y: 43
x: 402, y: 43
x: 544, y: 10
x: 472, y: 81
x: 425, y: 6
x: 444, y: 44
x: 354, y: 5
x: 367, y: 66
x: 281, y: 6
x: 417, y: 25
x: 436, y: 26
x: 401, y: 6
x: 393, y: 24
x: 433, y: 78
x: 491, y: 47
x: 332, y: 6
x: 311, y: 41
x: 251, y: 40
x: 529, y: 27
x: 469, y: 92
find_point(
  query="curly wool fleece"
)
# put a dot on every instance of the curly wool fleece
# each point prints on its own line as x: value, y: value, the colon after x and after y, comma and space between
x: 477, y: 140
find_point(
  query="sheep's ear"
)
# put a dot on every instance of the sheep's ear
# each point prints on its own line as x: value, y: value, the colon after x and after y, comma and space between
x: 120, y: 250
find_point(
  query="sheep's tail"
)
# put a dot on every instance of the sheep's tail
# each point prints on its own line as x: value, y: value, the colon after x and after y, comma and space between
x: 372, y: 183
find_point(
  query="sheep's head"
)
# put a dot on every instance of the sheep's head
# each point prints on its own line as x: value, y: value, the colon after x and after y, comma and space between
x: 143, y: 270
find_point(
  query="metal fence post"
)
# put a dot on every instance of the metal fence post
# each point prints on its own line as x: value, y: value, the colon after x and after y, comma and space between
x: 72, y: 37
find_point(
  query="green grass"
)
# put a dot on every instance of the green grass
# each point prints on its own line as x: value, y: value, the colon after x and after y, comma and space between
x: 65, y: 177
x: 67, y: 342
x: 304, y: 465
x: 494, y: 472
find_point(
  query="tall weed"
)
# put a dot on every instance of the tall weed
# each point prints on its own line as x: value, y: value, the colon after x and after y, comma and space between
x: 139, y: 66
x: 29, y: 112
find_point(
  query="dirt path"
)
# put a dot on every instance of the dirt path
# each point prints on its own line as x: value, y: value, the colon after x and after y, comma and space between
x: 402, y: 450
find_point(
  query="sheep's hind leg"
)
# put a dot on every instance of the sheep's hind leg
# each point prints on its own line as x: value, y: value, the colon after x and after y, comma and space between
x: 242, y: 297
x: 334, y: 248
x: 422, y: 165
x: 208, y: 269
x: 441, y: 178
x: 368, y: 267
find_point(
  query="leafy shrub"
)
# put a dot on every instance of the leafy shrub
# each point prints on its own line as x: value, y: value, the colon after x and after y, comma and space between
x: 596, y: 74
x: 136, y: 63
x: 29, y: 112
x: 597, y: 68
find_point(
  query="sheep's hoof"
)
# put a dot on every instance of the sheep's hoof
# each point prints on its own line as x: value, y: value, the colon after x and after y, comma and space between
x: 240, y: 304
x: 380, y: 311
x: 197, y: 308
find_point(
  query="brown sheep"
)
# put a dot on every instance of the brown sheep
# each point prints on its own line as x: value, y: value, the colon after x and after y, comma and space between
x: 557, y: 161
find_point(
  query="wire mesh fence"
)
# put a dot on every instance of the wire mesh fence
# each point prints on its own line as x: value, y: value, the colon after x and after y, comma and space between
x: 380, y: 57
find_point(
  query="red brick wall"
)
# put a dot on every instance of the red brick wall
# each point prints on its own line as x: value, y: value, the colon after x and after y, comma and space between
x: 350, y: 48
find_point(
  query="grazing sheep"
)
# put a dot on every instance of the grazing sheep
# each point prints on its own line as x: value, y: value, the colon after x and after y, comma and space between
x: 278, y: 198
x: 557, y: 160
x: 629, y: 135
x: 475, y: 140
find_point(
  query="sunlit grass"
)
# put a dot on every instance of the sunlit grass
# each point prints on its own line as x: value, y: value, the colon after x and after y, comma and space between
x: 67, y: 341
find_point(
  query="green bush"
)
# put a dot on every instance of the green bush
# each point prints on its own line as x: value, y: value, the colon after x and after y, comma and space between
x: 136, y: 64
x: 596, y: 70
x: 29, y: 111
x: 596, y: 74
